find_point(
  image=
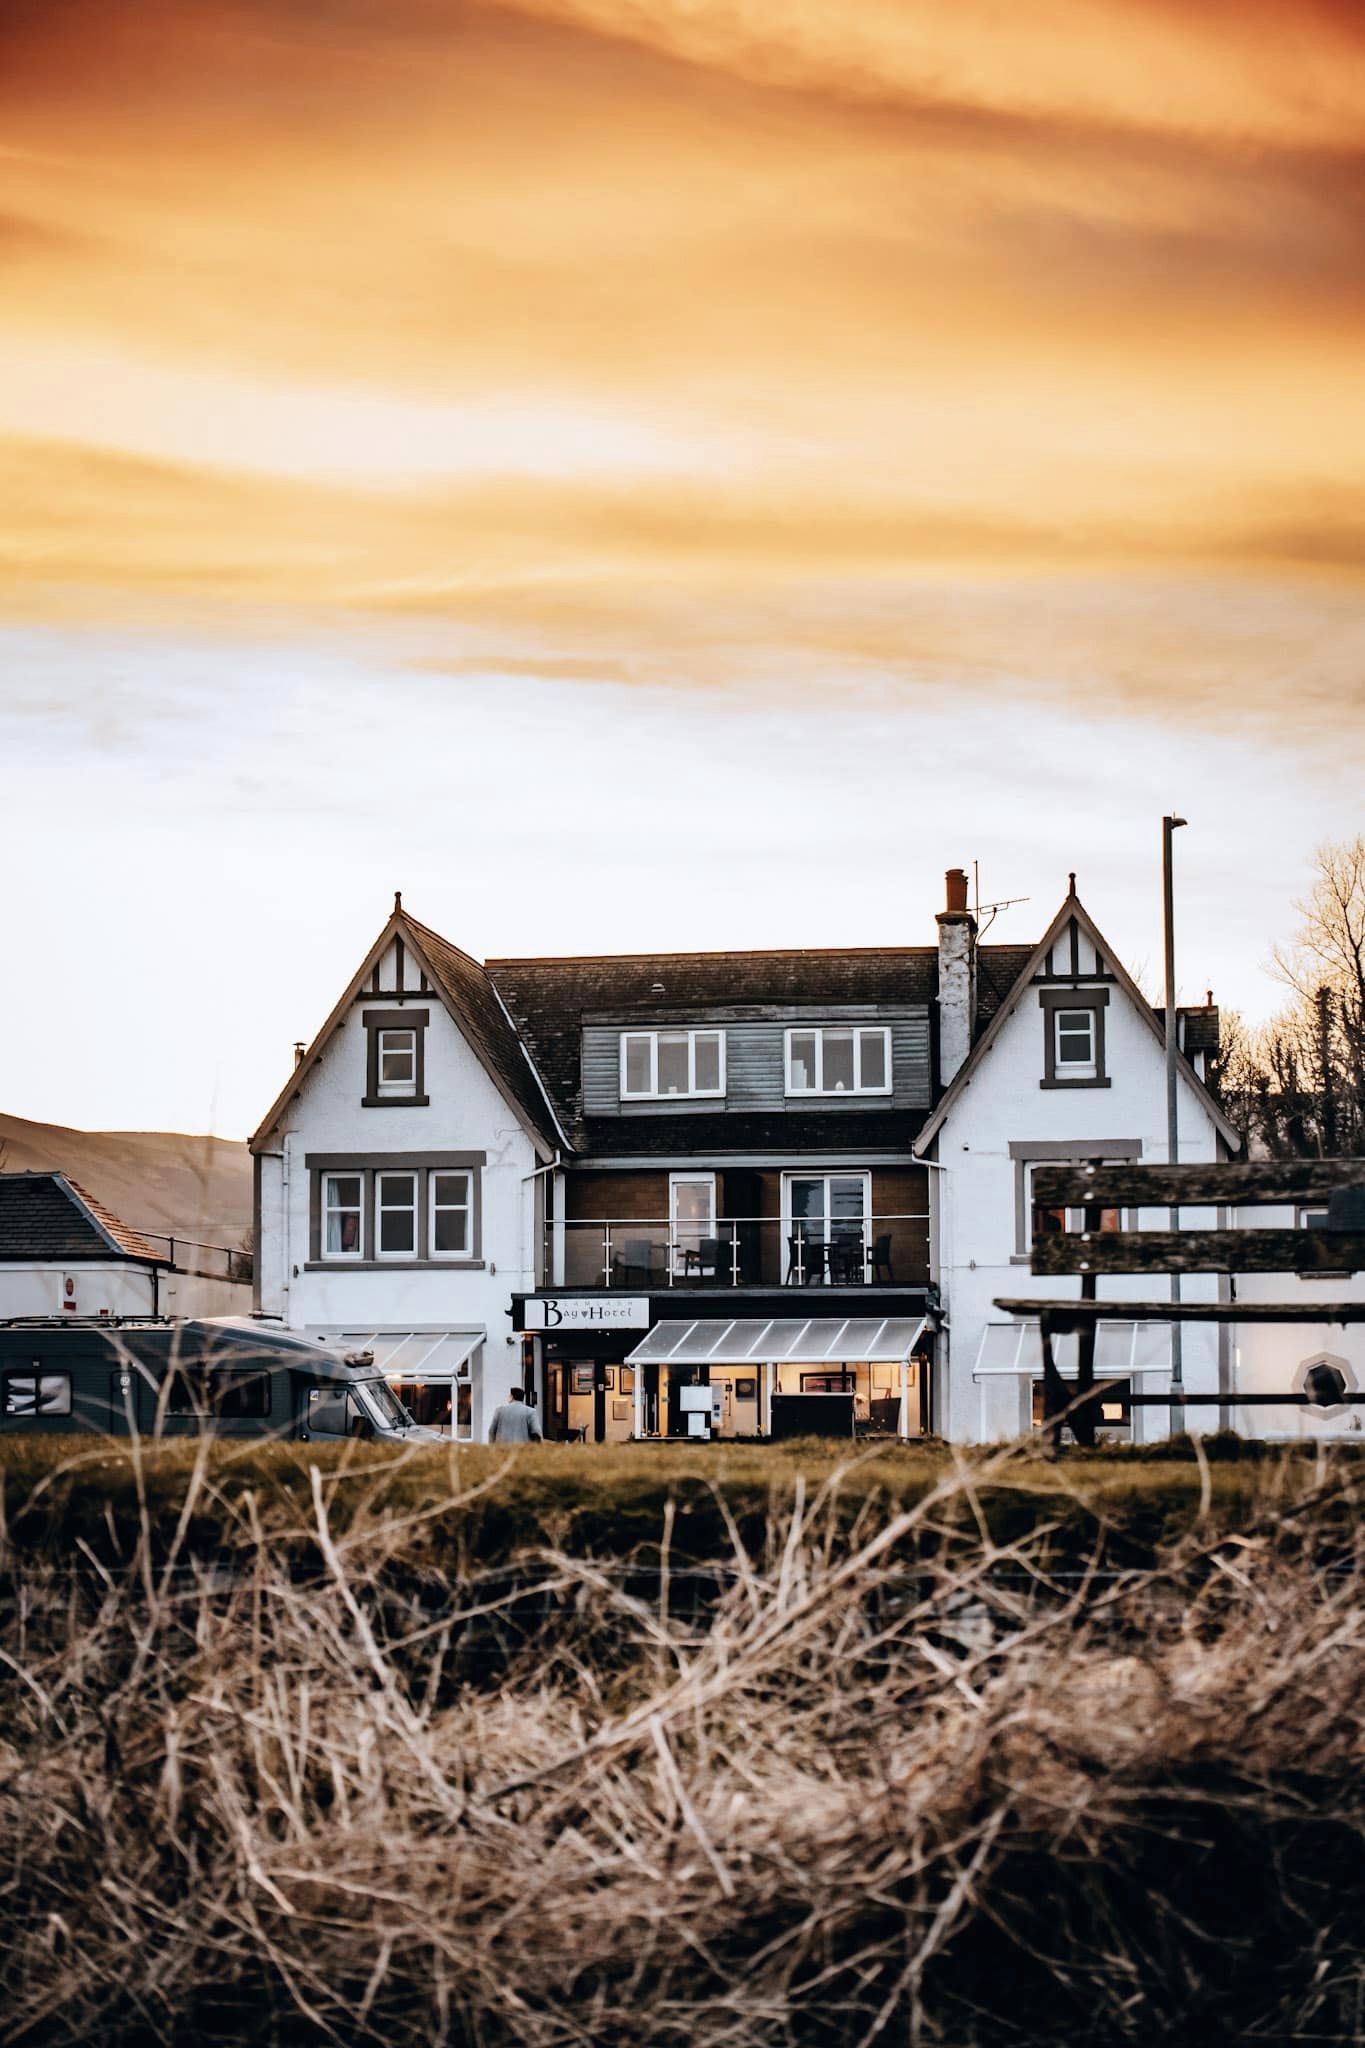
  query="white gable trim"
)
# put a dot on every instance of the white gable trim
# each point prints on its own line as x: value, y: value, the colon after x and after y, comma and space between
x: 1071, y: 908
x: 397, y: 927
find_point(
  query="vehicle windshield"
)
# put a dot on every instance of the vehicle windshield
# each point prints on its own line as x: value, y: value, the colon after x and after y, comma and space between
x: 386, y: 1404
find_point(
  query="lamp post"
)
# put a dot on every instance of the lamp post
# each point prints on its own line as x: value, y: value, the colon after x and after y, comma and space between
x: 1169, y: 826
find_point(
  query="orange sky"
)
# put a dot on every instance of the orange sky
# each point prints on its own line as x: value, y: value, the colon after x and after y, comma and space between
x: 685, y: 338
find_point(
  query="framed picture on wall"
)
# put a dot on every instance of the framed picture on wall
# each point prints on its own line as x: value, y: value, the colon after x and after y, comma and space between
x: 620, y: 1411
x: 582, y: 1380
x: 626, y: 1379
x: 746, y: 1390
x: 886, y: 1379
x: 609, y: 1378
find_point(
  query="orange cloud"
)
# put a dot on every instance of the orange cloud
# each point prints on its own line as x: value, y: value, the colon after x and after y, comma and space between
x: 636, y: 331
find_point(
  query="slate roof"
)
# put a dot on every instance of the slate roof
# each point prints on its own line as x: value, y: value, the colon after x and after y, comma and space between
x: 45, y: 1216
x: 549, y: 998
x: 470, y: 993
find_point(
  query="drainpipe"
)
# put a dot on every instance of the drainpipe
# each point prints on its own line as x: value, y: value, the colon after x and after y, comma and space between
x: 1169, y: 826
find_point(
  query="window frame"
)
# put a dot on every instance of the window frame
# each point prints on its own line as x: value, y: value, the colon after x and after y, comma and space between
x: 1302, y: 1213
x: 412, y: 1208
x: 1065, y: 1066
x: 387, y: 1096
x: 35, y: 1375
x: 395, y: 1091
x: 819, y: 1032
x: 1028, y: 1153
x: 324, y: 1167
x: 1057, y: 1002
x: 327, y: 1209
x: 653, y: 1034
x: 465, y: 1208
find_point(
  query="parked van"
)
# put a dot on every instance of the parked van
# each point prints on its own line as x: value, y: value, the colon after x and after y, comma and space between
x: 159, y: 1378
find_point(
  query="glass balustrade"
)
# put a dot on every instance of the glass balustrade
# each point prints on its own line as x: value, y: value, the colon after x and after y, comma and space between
x: 642, y: 1256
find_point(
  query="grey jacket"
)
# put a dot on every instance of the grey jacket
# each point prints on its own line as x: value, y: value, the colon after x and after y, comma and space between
x: 513, y: 1423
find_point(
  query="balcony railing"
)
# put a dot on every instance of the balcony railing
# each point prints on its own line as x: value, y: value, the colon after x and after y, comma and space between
x: 642, y: 1255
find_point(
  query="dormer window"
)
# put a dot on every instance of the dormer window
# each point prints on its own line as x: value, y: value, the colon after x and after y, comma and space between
x: 395, y: 1058
x: 1073, y: 1037
x: 839, y: 1060
x: 656, y: 1065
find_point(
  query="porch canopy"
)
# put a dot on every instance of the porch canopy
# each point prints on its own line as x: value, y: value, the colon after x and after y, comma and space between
x: 416, y: 1354
x: 1123, y: 1350
x: 816, y: 1340
x: 820, y: 1340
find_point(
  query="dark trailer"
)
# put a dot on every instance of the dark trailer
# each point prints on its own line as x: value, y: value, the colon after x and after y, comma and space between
x: 164, y: 1379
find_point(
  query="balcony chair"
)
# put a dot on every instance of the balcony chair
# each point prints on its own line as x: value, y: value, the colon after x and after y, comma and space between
x: 638, y: 1256
x: 844, y: 1257
x: 805, y: 1260
x: 880, y: 1257
x: 708, y: 1258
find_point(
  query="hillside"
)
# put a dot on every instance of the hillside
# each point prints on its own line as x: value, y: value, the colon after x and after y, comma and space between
x: 165, y: 1181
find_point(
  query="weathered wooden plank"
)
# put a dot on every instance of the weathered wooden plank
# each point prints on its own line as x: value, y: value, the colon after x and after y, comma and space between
x: 1200, y: 1251
x: 1071, y: 1315
x: 1134, y: 1185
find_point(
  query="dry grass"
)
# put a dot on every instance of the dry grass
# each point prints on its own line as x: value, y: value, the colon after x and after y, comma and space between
x: 894, y: 1775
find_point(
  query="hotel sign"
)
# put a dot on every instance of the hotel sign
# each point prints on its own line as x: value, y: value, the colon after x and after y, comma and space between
x: 586, y: 1312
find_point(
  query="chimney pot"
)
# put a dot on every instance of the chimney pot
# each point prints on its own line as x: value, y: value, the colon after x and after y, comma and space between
x: 299, y: 1049
x: 956, y: 879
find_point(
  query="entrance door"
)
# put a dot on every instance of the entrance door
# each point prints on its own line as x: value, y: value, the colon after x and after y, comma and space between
x: 122, y: 1403
x: 692, y: 1218
x: 825, y: 1223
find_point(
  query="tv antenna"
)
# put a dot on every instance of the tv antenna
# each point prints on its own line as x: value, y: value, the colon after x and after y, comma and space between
x: 988, y: 911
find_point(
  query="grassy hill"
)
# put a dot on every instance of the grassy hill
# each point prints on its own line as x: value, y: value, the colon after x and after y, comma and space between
x: 165, y: 1181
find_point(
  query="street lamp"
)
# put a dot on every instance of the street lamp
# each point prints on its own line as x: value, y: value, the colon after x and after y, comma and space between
x: 1169, y: 827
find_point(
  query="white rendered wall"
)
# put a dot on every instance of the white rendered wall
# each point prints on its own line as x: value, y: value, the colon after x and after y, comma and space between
x: 118, y: 1290
x: 1269, y: 1357
x: 465, y: 1113
x: 113, y: 1289
x: 975, y: 1207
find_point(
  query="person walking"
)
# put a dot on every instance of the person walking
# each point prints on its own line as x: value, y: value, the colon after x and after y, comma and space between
x: 513, y: 1422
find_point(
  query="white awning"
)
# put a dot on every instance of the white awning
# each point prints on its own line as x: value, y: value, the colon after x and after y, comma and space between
x: 828, y: 1340
x: 415, y: 1354
x: 1122, y: 1351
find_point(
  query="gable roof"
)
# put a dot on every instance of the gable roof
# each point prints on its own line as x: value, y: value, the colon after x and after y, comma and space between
x: 1071, y: 908
x: 477, y: 1010
x: 549, y: 999
x: 46, y: 1216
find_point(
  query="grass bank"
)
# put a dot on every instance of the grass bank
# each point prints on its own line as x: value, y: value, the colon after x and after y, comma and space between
x: 915, y: 1773
x: 471, y: 1507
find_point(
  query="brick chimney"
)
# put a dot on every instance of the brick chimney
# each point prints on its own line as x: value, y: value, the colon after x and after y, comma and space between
x: 956, y: 978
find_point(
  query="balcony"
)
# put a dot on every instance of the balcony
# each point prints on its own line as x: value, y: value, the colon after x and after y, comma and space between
x: 638, y: 1256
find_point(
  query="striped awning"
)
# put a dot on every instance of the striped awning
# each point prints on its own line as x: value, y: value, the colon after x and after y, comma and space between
x: 821, y: 1340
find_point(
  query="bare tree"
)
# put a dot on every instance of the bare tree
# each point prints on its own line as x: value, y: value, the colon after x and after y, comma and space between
x: 1297, y: 1086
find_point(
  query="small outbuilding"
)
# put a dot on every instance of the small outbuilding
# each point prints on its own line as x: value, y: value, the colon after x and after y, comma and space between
x: 63, y: 1253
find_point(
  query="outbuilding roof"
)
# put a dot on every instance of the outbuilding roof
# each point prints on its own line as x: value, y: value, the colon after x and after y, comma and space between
x: 46, y: 1217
